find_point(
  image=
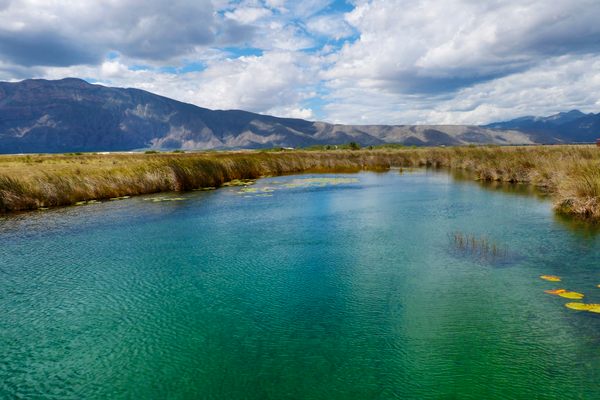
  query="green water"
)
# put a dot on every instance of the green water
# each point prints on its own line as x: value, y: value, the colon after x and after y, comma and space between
x: 332, y: 290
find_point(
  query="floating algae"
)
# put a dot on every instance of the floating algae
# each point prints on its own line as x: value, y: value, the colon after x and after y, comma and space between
x: 595, y: 308
x: 119, y: 198
x: 566, y: 294
x: 572, y: 295
x: 240, y: 182
x: 163, y: 199
x: 578, y: 306
x: 551, y: 278
x: 260, y: 192
x: 319, y: 182
x: 248, y: 190
x: 83, y: 203
x: 555, y: 291
x: 296, y: 183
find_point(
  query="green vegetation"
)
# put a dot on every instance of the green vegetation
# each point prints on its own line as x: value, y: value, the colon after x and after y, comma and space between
x: 478, y: 246
x: 571, y: 174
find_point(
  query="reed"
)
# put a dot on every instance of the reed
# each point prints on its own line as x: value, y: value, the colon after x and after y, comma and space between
x: 481, y: 247
x: 571, y: 174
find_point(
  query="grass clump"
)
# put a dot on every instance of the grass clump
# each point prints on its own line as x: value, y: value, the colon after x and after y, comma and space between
x: 480, y: 247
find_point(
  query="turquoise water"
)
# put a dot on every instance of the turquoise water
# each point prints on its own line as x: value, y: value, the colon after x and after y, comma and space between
x: 296, y: 289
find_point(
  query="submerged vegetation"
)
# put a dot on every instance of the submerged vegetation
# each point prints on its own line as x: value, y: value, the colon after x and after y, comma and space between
x: 480, y: 247
x: 570, y: 174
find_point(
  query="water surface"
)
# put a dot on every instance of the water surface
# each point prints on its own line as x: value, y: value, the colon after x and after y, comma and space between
x: 348, y: 289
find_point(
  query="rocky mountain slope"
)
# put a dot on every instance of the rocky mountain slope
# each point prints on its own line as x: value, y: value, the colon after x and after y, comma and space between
x: 73, y: 115
x: 565, y: 127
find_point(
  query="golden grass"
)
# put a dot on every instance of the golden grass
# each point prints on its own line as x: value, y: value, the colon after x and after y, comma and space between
x: 571, y: 174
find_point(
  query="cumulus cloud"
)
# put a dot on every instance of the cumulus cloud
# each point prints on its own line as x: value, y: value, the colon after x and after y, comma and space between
x: 255, y: 83
x: 275, y: 82
x: 332, y: 26
x: 425, y: 46
x: 247, y: 15
x: 385, y: 61
x: 36, y: 32
x: 558, y: 84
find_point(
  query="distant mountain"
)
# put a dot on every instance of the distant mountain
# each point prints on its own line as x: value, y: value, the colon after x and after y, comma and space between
x: 72, y: 115
x: 566, y: 127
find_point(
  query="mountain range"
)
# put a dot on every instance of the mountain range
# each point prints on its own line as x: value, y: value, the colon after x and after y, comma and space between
x: 70, y: 115
x: 564, y: 127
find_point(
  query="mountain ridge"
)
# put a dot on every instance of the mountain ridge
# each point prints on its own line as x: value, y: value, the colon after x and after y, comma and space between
x: 38, y: 115
x: 563, y: 127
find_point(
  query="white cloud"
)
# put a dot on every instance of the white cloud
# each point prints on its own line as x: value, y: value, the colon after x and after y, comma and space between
x: 293, y: 112
x: 255, y: 83
x: 415, y: 61
x: 248, y: 15
x: 422, y: 46
x: 332, y: 26
x: 37, y: 32
x: 274, y: 83
x: 558, y: 84
x: 112, y: 69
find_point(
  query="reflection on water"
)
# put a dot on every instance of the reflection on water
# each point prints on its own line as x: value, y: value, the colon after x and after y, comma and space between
x: 582, y: 228
x: 302, y: 287
x: 518, y: 189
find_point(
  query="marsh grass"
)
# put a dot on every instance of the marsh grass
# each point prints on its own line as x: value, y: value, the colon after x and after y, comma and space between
x: 479, y: 246
x: 570, y: 174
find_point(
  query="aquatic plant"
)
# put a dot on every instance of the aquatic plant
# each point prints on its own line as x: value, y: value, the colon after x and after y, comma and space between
x: 595, y: 308
x: 566, y: 294
x: 550, y: 278
x: 478, y: 246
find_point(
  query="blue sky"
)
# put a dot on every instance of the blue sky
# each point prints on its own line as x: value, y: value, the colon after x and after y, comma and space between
x: 356, y: 61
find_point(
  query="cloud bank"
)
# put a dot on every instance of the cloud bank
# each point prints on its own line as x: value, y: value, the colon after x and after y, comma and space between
x: 377, y: 61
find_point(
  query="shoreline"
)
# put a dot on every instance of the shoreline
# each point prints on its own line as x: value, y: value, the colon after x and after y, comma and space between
x: 569, y: 174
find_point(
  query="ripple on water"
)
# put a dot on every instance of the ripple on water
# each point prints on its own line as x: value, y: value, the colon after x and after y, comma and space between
x: 320, y: 291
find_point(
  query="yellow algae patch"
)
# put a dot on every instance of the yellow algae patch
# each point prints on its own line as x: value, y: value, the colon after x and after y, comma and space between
x: 551, y: 278
x: 161, y: 199
x: 556, y: 291
x: 307, y: 182
x: 566, y: 294
x: 578, y: 306
x: 572, y: 295
x: 595, y: 308
x: 240, y: 182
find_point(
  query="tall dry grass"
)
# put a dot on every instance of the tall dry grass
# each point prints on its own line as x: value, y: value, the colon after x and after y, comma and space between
x: 571, y: 174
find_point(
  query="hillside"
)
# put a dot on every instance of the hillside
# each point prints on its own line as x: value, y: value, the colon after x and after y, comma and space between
x: 565, y: 127
x: 72, y: 115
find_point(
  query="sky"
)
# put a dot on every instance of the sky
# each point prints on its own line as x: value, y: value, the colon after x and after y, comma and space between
x: 354, y: 62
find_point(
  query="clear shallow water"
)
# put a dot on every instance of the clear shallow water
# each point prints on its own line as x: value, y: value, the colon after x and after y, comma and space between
x: 346, y: 291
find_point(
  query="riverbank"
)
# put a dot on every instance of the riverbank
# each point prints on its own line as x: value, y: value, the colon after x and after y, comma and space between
x: 570, y: 174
